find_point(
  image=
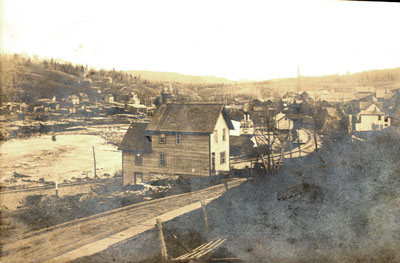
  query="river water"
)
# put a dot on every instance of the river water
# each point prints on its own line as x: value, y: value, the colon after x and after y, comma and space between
x: 69, y: 156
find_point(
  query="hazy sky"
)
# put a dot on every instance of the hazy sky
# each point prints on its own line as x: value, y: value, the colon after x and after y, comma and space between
x: 233, y: 39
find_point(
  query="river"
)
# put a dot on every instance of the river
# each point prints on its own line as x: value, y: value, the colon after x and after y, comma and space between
x: 68, y: 157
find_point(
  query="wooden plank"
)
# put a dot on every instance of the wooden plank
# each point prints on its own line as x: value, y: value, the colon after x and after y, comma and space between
x: 201, y: 250
x: 184, y: 256
x: 200, y: 254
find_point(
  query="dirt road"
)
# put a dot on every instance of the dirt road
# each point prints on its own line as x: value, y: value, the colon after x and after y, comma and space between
x: 307, y: 147
x: 48, y: 243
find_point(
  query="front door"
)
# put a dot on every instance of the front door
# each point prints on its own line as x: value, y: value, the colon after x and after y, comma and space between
x: 138, y: 176
x: 213, y: 162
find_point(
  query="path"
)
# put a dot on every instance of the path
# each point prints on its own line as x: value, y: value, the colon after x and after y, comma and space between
x: 53, y: 242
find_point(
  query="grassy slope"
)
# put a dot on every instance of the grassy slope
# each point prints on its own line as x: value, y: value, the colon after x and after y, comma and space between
x: 340, y: 205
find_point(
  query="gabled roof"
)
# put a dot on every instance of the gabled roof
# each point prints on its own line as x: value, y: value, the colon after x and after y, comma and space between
x: 372, y: 109
x: 135, y: 139
x: 196, y: 118
x: 280, y: 116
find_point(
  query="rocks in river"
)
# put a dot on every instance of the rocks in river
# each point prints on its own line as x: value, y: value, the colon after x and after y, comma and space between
x: 18, y: 175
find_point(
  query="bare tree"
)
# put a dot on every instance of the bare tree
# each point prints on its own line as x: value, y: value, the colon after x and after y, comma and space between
x: 265, y: 134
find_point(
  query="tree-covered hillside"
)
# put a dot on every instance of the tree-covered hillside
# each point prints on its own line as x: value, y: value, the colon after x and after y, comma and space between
x: 27, y: 79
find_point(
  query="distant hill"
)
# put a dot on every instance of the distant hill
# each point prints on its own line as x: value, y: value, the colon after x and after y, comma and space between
x: 177, y: 77
x: 32, y: 83
x: 379, y: 79
x: 23, y: 79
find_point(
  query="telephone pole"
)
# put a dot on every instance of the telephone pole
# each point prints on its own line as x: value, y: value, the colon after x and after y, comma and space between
x: 298, y: 80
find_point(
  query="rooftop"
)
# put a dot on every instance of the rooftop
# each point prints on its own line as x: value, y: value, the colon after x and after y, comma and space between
x: 135, y: 139
x: 195, y: 118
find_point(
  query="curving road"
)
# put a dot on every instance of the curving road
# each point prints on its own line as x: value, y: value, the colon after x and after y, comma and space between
x: 307, y: 147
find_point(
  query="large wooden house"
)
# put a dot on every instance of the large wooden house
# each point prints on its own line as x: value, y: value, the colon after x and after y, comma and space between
x: 181, y: 139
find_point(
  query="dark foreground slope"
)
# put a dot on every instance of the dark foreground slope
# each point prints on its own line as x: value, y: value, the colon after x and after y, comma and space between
x: 341, y: 204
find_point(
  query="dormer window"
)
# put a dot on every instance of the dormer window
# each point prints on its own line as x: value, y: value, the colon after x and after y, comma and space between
x: 162, y: 138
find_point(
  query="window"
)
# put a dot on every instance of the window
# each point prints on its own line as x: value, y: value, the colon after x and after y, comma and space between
x: 178, y: 140
x: 162, y: 138
x: 224, y: 134
x: 162, y: 160
x: 386, y: 119
x: 138, y: 159
x: 222, y: 157
x: 379, y: 118
x: 215, y: 136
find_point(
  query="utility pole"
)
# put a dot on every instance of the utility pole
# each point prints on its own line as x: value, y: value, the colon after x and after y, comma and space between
x: 269, y: 143
x: 298, y: 80
x: 94, y: 163
x: 315, y: 128
x: 298, y: 142
x: 290, y: 140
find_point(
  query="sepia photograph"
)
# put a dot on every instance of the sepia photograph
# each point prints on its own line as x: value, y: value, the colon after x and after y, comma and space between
x: 190, y: 131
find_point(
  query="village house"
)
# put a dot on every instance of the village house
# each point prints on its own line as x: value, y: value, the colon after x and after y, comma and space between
x: 246, y: 125
x: 108, y: 98
x: 241, y: 145
x: 371, y: 118
x: 283, y: 122
x: 180, y: 139
x: 83, y: 97
x: 73, y: 99
x: 133, y: 99
x: 167, y: 94
x: 47, y: 104
x: 242, y: 123
x: 289, y: 97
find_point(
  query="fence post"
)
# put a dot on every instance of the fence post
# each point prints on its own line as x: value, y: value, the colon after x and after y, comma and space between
x: 94, y: 163
x: 164, y: 254
x: 56, y: 185
x: 203, y: 205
